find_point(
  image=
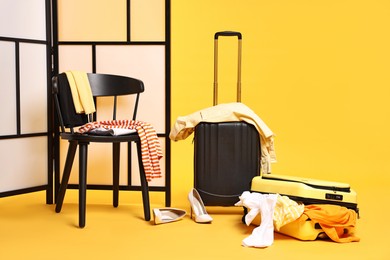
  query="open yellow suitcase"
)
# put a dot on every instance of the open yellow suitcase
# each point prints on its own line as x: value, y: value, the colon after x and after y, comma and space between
x: 308, y: 191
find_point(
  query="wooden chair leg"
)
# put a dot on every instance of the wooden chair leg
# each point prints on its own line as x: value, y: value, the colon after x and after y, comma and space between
x: 83, y: 154
x: 144, y: 184
x: 65, y: 176
x: 115, y: 170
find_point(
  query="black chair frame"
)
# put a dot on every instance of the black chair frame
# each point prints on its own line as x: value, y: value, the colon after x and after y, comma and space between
x: 101, y: 85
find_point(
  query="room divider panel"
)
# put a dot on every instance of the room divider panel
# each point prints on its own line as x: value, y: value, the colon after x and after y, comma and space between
x: 40, y: 38
x: 124, y: 37
x: 25, y: 71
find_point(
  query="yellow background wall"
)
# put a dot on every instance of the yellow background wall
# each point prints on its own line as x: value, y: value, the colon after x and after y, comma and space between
x: 317, y: 72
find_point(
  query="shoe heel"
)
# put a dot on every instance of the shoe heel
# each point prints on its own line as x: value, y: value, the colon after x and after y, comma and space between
x: 198, y: 208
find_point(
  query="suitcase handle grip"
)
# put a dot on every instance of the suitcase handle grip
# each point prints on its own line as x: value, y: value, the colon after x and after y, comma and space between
x: 227, y: 33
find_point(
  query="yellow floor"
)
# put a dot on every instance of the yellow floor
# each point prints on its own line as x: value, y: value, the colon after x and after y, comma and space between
x: 30, y: 228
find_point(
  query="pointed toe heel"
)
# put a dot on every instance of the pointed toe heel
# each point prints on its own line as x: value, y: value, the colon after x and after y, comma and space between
x: 198, y: 208
x: 167, y: 215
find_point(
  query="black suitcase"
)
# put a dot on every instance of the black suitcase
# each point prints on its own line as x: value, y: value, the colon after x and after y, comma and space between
x: 226, y: 154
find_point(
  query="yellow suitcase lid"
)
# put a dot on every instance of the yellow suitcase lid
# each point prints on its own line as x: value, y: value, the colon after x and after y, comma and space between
x: 320, y: 184
x: 304, y: 189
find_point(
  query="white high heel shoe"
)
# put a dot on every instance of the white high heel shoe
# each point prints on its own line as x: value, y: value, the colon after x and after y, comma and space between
x: 166, y: 215
x: 198, y: 208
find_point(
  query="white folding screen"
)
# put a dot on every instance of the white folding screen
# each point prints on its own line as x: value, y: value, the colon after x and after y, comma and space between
x: 24, y: 74
x: 8, y: 88
x: 23, y: 19
x: 148, y: 20
x: 23, y: 163
x: 33, y: 88
x: 124, y: 37
x: 143, y: 62
x: 129, y: 37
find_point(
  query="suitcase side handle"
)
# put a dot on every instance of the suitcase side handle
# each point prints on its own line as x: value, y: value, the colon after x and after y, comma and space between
x: 239, y: 36
x: 227, y: 33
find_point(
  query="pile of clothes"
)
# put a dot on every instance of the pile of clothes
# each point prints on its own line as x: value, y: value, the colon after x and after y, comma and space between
x: 273, y: 212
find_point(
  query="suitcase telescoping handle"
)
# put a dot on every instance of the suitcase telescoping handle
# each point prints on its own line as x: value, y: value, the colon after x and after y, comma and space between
x: 239, y: 36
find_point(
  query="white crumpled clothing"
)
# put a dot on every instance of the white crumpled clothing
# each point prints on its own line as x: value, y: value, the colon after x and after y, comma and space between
x: 263, y: 235
x: 275, y: 211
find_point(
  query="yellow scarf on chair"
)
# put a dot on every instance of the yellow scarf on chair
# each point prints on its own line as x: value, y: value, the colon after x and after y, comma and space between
x: 81, y: 92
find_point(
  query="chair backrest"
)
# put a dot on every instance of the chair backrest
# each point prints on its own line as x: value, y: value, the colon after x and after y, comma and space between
x: 102, y: 85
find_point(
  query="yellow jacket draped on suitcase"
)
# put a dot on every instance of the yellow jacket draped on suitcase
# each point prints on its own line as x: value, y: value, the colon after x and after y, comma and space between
x: 228, y: 112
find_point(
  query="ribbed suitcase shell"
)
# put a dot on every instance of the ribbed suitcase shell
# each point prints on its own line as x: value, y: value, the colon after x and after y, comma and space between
x: 226, y: 158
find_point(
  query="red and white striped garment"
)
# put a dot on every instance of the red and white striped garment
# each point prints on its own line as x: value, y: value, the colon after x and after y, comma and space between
x: 150, y: 145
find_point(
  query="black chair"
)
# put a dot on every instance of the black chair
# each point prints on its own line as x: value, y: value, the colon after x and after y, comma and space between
x: 101, y: 85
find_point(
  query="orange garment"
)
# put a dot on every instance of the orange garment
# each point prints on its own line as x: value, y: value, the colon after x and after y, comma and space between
x: 150, y: 144
x: 336, y: 221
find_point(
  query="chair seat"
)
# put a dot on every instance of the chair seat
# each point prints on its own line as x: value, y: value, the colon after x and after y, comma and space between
x: 100, y: 138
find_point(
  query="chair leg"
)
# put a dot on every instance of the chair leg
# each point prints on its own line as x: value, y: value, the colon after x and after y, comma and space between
x: 83, y: 154
x: 65, y: 176
x: 144, y: 184
x: 115, y: 170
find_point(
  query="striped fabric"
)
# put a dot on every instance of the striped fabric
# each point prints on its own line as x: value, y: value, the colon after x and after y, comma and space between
x: 150, y: 145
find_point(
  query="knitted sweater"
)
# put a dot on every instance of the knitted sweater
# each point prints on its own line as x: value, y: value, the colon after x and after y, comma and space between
x: 150, y: 145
